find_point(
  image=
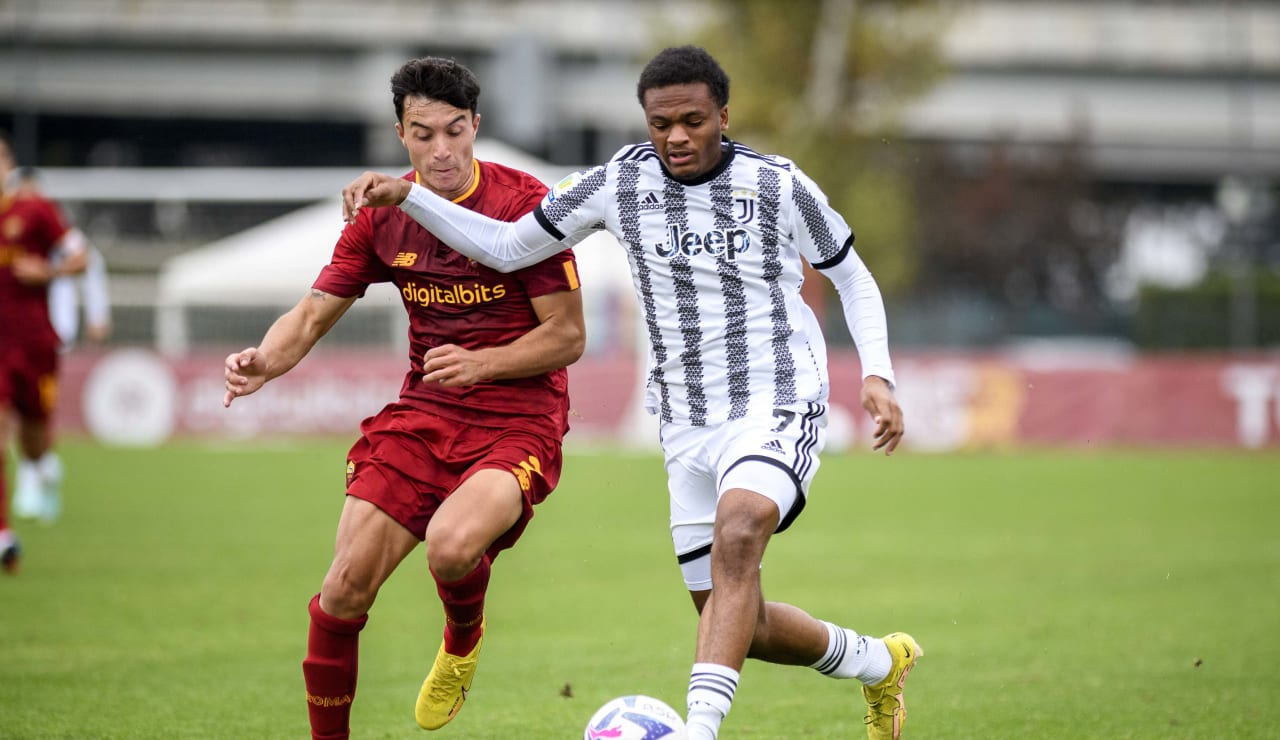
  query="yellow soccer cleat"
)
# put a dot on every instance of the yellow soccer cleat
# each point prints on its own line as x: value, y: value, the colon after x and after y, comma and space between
x: 446, y: 686
x: 886, y: 709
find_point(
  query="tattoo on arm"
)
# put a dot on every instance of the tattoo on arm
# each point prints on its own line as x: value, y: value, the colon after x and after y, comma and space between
x: 318, y: 295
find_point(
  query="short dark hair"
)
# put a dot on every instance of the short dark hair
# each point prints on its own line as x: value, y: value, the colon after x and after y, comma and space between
x: 435, y: 78
x: 682, y: 65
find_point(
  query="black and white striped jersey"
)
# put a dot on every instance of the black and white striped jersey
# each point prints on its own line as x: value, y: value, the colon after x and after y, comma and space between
x: 716, y: 265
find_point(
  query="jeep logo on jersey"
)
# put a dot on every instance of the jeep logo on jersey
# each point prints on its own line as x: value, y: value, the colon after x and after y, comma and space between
x: 716, y: 242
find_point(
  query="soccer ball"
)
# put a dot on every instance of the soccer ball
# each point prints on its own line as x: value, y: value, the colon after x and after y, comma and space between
x: 635, y: 717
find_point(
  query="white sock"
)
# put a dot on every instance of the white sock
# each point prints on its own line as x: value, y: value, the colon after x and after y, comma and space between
x: 28, y: 495
x: 711, y: 690
x: 50, y: 467
x: 27, y: 475
x: 850, y: 655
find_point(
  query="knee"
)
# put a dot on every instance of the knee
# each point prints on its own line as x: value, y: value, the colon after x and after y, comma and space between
x: 345, y: 594
x: 741, y: 534
x: 450, y: 556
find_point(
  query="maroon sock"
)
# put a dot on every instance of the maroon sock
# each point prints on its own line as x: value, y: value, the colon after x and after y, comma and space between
x: 464, y: 608
x: 329, y: 671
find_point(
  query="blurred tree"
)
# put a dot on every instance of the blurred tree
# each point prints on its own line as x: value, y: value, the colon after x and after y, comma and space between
x: 1022, y: 227
x: 824, y: 83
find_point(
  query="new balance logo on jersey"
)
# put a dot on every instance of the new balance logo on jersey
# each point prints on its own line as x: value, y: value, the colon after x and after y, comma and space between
x: 404, y: 259
x: 716, y: 242
x: 772, y: 445
x: 650, y: 202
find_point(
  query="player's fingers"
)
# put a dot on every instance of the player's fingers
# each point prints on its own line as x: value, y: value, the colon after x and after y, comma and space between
x: 893, y: 443
x: 353, y: 196
x: 878, y: 436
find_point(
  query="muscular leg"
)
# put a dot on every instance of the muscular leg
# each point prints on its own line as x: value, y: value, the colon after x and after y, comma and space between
x: 369, y: 546
x: 459, y: 536
x: 460, y: 533
x: 38, y: 479
x: 731, y: 613
x: 480, y: 511
x: 35, y: 437
x: 744, y: 522
x: 785, y: 634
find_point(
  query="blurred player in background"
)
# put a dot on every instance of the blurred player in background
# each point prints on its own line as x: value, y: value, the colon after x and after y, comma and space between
x: 717, y: 235
x: 36, y: 494
x: 474, y: 441
x: 37, y: 245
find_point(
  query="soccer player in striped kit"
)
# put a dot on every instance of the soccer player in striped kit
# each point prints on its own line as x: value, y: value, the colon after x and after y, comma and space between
x: 474, y: 441
x: 715, y: 234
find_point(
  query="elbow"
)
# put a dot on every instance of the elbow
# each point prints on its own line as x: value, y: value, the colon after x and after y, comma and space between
x: 507, y: 266
x: 575, y: 345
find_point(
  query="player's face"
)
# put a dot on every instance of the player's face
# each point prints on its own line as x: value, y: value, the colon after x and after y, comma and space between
x: 685, y: 126
x: 440, y: 139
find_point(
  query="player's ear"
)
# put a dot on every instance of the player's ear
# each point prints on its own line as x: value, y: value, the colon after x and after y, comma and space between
x: 400, y: 133
x: 724, y: 118
x: 475, y: 123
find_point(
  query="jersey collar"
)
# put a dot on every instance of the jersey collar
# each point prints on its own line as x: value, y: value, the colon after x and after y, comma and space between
x: 727, y: 150
x: 475, y: 181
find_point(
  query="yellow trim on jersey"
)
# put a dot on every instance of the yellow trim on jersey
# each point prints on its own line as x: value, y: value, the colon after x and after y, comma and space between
x: 571, y: 272
x: 475, y: 181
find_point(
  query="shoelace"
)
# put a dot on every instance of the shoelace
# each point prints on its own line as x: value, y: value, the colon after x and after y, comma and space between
x: 442, y: 691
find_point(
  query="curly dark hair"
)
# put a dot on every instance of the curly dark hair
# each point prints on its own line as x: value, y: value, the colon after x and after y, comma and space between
x: 435, y: 78
x: 680, y: 65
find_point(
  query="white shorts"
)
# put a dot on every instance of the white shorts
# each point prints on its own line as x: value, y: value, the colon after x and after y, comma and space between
x: 775, y: 457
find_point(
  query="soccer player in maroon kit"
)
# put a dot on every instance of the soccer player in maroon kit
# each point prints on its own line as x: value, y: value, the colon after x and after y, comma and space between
x: 474, y: 441
x: 36, y: 246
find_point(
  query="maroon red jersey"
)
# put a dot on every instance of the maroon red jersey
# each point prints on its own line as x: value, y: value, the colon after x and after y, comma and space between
x: 454, y: 300
x: 29, y: 224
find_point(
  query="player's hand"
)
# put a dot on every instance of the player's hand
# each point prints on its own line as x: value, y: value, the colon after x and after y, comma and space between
x: 375, y: 190
x: 878, y: 400
x: 29, y: 269
x: 452, y: 366
x: 245, y: 372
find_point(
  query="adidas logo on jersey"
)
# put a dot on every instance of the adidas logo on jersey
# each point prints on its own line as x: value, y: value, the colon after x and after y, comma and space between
x: 650, y: 202
x: 772, y: 445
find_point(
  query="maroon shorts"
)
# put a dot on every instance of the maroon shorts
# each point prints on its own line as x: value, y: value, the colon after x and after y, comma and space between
x: 29, y: 381
x: 408, y: 461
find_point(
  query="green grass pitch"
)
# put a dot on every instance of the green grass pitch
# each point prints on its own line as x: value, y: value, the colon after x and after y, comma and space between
x: 1057, y: 595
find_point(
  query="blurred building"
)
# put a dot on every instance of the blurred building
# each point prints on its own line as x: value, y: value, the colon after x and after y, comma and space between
x: 1173, y: 103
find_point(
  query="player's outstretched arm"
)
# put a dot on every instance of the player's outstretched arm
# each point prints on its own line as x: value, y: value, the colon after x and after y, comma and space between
x: 501, y: 245
x: 288, y: 340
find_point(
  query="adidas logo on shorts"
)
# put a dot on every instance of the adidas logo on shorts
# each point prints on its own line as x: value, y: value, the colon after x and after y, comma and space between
x: 772, y: 445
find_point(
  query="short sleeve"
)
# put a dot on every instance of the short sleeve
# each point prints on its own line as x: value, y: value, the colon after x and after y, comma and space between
x: 822, y: 235
x: 49, y: 220
x: 556, y: 274
x: 354, y: 265
x: 576, y: 204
